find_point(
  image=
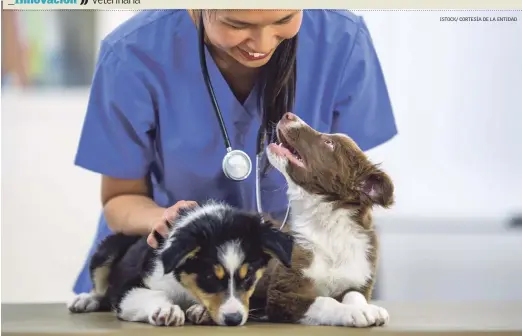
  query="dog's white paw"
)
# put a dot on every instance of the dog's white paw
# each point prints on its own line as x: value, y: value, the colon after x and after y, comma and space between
x: 167, y: 315
x: 199, y: 315
x: 365, y: 315
x: 84, y: 303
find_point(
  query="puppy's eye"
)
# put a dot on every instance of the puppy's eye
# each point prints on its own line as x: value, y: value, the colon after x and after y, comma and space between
x: 329, y: 143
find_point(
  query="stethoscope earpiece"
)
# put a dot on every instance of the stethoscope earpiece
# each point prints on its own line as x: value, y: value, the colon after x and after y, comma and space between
x: 237, y: 165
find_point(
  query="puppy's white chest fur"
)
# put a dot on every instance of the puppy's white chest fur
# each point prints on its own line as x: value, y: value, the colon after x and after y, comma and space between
x: 340, y: 251
x: 338, y: 266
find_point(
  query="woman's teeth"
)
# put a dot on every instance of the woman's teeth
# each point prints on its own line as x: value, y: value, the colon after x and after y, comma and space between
x: 253, y: 55
x: 256, y: 54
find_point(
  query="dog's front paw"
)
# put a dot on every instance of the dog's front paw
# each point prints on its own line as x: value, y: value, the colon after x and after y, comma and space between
x: 382, y: 315
x: 365, y: 315
x: 199, y: 315
x: 167, y: 315
x: 84, y: 303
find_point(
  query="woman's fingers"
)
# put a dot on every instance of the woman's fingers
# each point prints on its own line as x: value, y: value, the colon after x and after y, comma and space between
x: 191, y: 204
x: 152, y: 241
x: 172, y: 212
x: 163, y: 225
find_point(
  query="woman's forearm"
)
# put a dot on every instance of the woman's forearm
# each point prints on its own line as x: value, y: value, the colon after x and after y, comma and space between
x: 133, y: 214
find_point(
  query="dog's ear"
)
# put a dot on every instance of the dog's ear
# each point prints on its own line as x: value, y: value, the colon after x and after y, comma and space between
x: 177, y: 254
x: 278, y: 244
x: 378, y: 188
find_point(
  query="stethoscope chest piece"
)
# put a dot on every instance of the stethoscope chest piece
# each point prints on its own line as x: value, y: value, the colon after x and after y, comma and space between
x: 237, y: 165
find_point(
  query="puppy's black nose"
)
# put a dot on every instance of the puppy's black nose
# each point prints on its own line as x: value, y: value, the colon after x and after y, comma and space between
x: 233, y: 319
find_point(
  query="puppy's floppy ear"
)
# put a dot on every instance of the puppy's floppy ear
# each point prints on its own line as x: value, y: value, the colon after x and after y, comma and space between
x: 177, y: 254
x: 378, y: 187
x: 278, y: 245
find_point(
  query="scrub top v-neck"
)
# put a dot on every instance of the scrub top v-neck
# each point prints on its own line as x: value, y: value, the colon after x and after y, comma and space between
x: 149, y: 113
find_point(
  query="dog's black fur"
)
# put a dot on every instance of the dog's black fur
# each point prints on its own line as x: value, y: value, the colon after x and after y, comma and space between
x: 191, y: 256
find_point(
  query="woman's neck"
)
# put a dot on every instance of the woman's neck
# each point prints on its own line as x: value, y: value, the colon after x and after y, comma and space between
x: 240, y: 79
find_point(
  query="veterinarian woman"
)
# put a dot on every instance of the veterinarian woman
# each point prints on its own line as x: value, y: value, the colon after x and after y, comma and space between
x: 152, y: 133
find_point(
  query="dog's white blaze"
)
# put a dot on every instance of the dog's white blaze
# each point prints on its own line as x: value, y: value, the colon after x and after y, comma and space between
x: 231, y: 257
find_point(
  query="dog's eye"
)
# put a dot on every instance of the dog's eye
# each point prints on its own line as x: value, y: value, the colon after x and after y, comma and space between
x: 247, y: 282
x: 329, y: 143
x: 249, y: 276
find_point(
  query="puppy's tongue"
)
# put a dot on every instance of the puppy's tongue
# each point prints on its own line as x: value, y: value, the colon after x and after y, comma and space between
x: 283, y: 151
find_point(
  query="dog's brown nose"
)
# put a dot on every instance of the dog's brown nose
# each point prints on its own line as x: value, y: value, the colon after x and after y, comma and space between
x: 289, y: 116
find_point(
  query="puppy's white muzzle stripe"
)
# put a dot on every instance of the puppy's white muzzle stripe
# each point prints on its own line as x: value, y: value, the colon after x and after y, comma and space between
x: 232, y: 312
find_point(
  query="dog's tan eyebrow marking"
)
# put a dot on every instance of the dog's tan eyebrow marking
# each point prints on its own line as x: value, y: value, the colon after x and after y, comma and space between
x: 243, y: 271
x: 260, y: 272
x: 219, y: 271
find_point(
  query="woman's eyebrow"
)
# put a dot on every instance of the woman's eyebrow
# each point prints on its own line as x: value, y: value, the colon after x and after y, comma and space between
x: 244, y: 23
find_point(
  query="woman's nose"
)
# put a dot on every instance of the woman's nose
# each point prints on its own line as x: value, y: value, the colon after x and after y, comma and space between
x: 264, y: 41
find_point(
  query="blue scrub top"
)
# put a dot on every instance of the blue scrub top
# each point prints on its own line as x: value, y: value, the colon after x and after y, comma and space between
x: 149, y: 112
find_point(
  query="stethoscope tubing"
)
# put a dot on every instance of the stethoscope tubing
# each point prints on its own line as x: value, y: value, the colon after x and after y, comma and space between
x: 206, y: 78
x: 226, y: 139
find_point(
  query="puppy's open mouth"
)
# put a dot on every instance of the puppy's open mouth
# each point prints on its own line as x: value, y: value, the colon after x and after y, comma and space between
x: 283, y: 148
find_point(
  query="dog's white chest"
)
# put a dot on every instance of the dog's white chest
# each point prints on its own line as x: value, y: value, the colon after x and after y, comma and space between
x: 339, y: 265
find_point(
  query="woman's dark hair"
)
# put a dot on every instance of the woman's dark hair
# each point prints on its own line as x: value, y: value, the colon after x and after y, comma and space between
x: 277, y: 83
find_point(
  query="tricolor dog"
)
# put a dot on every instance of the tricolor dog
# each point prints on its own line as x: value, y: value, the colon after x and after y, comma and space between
x: 205, y: 271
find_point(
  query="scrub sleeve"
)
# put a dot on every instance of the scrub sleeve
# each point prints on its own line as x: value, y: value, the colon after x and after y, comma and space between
x: 363, y: 108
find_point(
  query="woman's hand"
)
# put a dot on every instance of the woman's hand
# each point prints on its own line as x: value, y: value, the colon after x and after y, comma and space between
x: 162, y: 227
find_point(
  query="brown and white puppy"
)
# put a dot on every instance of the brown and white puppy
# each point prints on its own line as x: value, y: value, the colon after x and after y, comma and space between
x: 332, y: 188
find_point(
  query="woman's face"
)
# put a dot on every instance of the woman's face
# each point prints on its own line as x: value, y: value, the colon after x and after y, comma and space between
x: 251, y: 36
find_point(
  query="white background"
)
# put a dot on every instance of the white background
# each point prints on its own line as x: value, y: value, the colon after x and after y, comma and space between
x: 457, y: 165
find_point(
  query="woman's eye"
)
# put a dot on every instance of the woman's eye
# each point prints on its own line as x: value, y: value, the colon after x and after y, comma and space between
x: 235, y: 27
x: 284, y: 21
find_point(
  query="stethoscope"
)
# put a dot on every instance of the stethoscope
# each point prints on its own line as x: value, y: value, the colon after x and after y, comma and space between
x: 236, y: 164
